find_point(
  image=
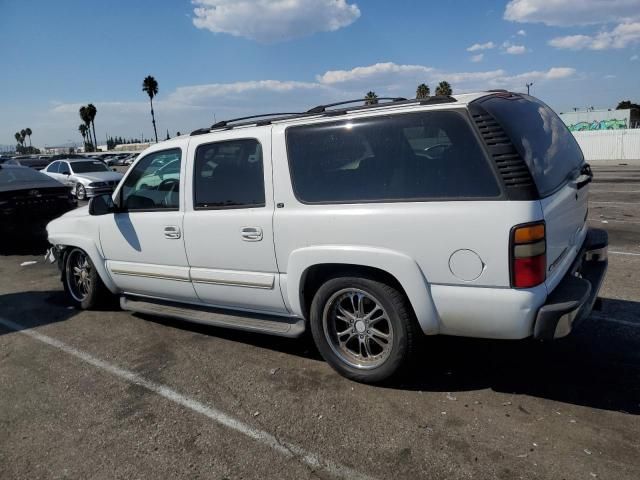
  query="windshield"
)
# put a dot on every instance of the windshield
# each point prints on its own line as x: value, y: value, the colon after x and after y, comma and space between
x: 86, y: 167
x: 22, y: 175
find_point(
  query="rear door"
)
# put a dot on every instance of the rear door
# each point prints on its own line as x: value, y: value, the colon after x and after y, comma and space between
x: 558, y: 169
x: 228, y: 223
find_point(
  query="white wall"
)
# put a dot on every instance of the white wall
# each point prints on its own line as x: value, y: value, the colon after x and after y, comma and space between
x: 610, y: 146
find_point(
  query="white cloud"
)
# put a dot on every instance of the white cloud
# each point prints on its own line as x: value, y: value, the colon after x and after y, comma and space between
x: 571, y: 12
x: 270, y: 21
x: 515, y: 49
x: 522, y: 33
x: 610, y: 77
x: 481, y: 46
x: 621, y: 36
x: 634, y: 58
x: 477, y: 58
x: 371, y: 72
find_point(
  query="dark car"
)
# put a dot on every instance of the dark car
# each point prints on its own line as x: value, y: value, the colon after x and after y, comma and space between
x: 36, y: 163
x: 29, y: 200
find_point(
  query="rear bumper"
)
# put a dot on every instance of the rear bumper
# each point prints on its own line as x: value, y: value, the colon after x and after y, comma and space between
x: 573, y: 299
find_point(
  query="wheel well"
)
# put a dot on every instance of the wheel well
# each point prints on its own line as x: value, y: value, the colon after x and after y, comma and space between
x: 316, y: 275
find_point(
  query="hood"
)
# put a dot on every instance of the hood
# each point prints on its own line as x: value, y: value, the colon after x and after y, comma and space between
x: 37, y: 184
x: 77, y: 212
x: 90, y: 177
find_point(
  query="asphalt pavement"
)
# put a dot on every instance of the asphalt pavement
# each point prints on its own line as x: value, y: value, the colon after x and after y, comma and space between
x: 109, y: 394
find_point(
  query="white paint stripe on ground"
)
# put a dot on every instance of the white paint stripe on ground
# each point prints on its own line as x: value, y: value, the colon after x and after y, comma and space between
x: 615, y: 203
x: 625, y: 253
x: 609, y: 220
x: 287, y: 449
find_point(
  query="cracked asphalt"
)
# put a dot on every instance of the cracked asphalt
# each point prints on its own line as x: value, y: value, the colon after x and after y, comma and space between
x: 74, y: 402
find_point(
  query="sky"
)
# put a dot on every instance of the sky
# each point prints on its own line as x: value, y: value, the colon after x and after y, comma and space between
x: 216, y: 59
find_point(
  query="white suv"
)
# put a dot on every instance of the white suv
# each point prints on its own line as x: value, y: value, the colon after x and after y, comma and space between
x: 369, y: 225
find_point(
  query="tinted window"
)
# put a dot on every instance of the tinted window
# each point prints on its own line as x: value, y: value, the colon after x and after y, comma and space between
x: 54, y: 167
x: 154, y: 183
x: 89, y: 166
x: 542, y: 139
x: 414, y: 156
x: 229, y: 174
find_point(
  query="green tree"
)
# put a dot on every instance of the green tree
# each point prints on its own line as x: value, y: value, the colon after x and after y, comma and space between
x: 84, y: 115
x: 627, y: 104
x: 371, y: 98
x: 92, y: 112
x: 28, y: 132
x: 18, y: 137
x: 444, y: 89
x: 423, y: 91
x: 150, y: 86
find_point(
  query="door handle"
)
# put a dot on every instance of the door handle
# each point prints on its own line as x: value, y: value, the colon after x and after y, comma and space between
x: 172, y: 232
x: 251, y: 234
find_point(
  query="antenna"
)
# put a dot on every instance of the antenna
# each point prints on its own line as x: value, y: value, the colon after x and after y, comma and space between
x: 529, y: 85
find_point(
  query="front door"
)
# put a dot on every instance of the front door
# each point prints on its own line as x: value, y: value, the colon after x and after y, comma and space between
x: 144, y: 244
x: 228, y: 223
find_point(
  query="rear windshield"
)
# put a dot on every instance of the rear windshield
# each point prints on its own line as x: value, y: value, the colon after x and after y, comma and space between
x: 89, y: 166
x: 542, y: 139
x: 11, y: 175
x: 426, y: 155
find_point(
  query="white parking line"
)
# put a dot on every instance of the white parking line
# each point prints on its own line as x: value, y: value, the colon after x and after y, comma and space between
x: 607, y: 220
x: 614, y: 203
x: 625, y: 253
x: 285, y: 448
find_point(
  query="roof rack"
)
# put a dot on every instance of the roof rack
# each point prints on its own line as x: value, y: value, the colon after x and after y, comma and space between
x: 323, y: 108
x: 225, y: 123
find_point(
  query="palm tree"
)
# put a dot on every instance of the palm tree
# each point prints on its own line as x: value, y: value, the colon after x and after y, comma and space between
x: 150, y: 85
x: 423, y: 91
x: 92, y: 111
x: 84, y: 115
x: 82, y: 128
x: 28, y: 132
x: 371, y: 98
x: 18, y: 137
x: 444, y: 89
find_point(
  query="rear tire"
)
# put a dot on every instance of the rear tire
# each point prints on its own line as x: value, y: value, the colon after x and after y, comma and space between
x: 81, y: 281
x: 363, y: 328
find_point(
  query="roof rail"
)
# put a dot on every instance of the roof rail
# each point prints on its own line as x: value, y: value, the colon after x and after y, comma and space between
x: 224, y: 123
x: 323, y: 108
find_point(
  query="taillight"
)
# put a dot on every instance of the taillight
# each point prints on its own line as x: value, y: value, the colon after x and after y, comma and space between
x: 528, y: 255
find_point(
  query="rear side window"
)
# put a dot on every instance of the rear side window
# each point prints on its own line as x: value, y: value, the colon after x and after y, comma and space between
x: 417, y: 156
x: 229, y: 175
x: 542, y: 139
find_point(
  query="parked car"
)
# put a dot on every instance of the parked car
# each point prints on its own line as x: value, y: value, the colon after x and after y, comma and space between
x: 371, y: 226
x: 130, y: 159
x: 34, y: 162
x: 87, y: 178
x: 29, y: 200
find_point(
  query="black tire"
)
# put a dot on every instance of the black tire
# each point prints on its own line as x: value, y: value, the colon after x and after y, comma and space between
x: 94, y: 293
x: 403, y: 331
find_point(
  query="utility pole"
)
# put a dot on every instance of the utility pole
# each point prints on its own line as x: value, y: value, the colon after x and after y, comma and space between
x: 529, y: 85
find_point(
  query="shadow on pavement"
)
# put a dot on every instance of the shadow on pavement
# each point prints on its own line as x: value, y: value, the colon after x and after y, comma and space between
x: 34, y: 309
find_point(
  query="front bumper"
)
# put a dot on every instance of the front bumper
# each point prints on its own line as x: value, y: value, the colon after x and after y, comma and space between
x: 95, y: 191
x: 574, y: 297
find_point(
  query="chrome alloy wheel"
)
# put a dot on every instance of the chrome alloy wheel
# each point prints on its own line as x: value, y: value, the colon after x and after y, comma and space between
x: 357, y: 328
x: 78, y: 273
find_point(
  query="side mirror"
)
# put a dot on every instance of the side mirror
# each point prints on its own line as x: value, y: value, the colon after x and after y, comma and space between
x: 101, y: 205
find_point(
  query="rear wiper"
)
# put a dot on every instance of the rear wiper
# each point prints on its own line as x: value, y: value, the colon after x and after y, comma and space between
x: 586, y: 176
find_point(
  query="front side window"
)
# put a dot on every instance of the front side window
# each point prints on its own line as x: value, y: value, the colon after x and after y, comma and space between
x: 154, y: 183
x: 229, y: 175
x: 54, y: 167
x: 406, y: 157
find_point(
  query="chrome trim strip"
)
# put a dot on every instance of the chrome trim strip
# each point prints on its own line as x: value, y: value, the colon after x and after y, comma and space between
x: 149, y: 275
x: 233, y: 284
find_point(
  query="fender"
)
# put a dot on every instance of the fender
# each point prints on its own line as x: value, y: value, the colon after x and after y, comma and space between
x: 60, y: 232
x: 397, y: 264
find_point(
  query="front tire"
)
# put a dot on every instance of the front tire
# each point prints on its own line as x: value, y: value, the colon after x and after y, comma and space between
x: 363, y: 328
x: 81, y: 192
x: 81, y: 280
